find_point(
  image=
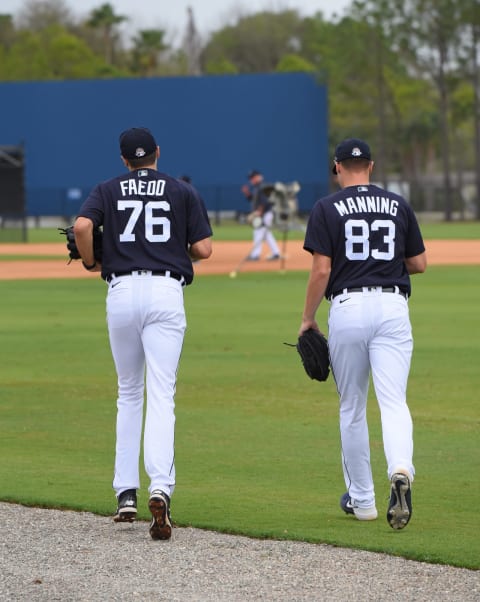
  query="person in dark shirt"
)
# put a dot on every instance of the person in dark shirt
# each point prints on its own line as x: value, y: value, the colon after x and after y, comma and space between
x: 261, y: 217
x: 153, y: 226
x: 366, y: 242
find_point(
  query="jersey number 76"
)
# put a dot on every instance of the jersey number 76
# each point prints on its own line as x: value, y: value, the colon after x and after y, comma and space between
x: 139, y: 210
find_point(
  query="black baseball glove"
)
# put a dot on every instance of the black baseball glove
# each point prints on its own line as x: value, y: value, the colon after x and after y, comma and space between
x: 313, y: 350
x: 72, y: 245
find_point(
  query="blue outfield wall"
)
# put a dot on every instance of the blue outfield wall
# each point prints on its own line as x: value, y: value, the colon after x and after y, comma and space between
x: 214, y: 129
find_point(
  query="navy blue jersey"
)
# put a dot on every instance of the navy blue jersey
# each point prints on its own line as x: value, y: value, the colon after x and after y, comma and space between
x: 367, y: 232
x: 260, y: 201
x: 149, y: 219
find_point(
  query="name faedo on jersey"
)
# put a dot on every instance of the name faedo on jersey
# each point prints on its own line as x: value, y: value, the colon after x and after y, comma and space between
x: 362, y: 228
x: 143, y: 214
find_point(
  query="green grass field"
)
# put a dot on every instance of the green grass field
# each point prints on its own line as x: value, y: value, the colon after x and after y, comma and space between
x: 257, y: 443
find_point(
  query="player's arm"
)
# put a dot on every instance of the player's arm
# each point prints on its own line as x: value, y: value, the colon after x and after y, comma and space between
x: 199, y: 226
x: 83, y: 229
x: 202, y: 249
x: 416, y: 264
x: 316, y: 287
x: 247, y: 192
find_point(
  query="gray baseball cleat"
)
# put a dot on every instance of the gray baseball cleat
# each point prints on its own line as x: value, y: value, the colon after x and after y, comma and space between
x: 400, y: 507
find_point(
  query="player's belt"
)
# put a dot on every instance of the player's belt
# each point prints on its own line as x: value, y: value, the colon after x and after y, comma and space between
x: 165, y: 273
x: 370, y: 289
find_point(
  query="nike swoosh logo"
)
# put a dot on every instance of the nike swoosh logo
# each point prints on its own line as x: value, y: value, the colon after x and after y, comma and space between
x: 343, y: 300
x: 115, y: 284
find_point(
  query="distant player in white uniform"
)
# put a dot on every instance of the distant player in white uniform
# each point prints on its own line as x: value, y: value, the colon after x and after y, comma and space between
x: 262, y: 212
x: 365, y: 243
x: 153, y: 226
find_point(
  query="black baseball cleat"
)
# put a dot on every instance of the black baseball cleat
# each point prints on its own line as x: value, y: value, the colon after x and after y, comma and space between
x: 127, y: 507
x: 159, y: 506
x: 400, y: 507
x: 273, y: 257
x: 346, y: 504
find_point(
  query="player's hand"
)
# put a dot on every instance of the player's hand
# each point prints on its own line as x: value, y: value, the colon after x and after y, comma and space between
x: 307, y: 325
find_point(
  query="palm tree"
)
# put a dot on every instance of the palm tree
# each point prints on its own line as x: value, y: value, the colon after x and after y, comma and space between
x: 147, y: 47
x: 105, y: 19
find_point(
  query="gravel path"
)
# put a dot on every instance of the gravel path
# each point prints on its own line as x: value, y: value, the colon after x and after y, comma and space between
x: 56, y: 555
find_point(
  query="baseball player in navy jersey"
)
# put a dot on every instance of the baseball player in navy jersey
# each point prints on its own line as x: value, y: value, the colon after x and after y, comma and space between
x: 153, y: 226
x: 365, y: 242
x: 262, y: 209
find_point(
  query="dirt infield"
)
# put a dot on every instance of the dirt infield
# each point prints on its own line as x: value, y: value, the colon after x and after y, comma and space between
x: 226, y: 257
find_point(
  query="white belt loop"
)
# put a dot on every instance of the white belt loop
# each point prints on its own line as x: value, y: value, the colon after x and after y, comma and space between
x: 167, y: 273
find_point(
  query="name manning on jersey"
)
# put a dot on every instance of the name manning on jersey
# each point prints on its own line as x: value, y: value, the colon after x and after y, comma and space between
x: 133, y: 187
x: 367, y: 204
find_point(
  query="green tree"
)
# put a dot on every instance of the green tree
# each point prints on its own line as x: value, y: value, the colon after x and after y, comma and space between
x: 378, y: 16
x: 37, y: 15
x: 3, y: 64
x: 148, y: 46
x: 256, y: 43
x: 26, y: 59
x: 428, y: 33
x: 7, y: 37
x: 221, y: 66
x: 69, y: 57
x: 343, y: 54
x: 469, y: 52
x: 415, y: 135
x: 372, y: 94
x: 105, y: 20
x: 7, y: 31
x: 293, y: 62
x: 52, y: 53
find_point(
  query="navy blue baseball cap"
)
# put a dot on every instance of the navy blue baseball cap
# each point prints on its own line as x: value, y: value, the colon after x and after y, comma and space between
x: 136, y: 143
x: 252, y: 173
x: 351, y: 148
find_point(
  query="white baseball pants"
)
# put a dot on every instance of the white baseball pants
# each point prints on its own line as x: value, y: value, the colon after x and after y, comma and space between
x: 146, y: 325
x: 370, y: 332
x: 264, y: 233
